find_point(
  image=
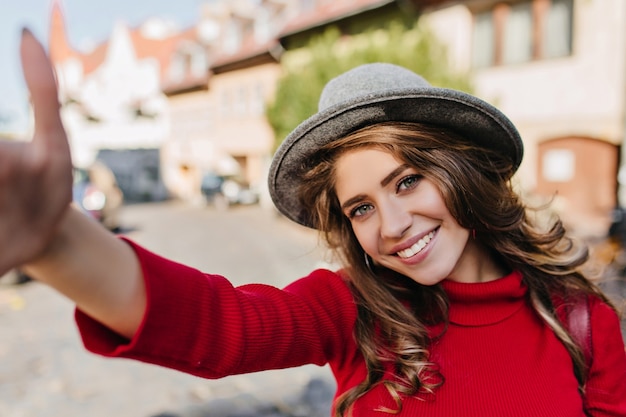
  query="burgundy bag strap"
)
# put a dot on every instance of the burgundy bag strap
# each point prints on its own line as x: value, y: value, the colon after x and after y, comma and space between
x: 579, y: 325
x: 574, y: 314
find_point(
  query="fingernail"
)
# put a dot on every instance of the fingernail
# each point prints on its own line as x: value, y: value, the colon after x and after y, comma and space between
x: 26, y: 31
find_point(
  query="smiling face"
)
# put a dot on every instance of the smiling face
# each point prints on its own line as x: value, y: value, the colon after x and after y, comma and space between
x: 401, y: 220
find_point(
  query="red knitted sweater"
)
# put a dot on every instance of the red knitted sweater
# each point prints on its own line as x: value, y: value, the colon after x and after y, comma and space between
x: 497, y: 357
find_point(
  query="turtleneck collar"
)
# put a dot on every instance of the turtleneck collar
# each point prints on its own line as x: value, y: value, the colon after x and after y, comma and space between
x: 485, y: 303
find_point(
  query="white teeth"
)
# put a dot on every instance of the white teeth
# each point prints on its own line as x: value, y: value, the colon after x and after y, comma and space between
x: 417, y: 247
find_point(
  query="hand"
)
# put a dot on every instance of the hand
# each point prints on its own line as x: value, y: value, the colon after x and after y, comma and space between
x: 35, y: 176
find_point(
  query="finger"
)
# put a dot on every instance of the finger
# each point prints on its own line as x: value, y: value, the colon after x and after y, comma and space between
x: 41, y: 84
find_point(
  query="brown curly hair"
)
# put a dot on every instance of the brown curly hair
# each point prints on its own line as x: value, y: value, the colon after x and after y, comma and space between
x: 476, y: 187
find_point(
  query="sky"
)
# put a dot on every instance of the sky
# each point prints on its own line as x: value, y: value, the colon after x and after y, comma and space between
x: 87, y: 22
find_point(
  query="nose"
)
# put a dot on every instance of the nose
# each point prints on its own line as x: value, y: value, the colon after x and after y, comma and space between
x: 395, y: 220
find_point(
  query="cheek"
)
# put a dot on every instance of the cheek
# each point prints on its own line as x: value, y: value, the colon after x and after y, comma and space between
x: 366, y: 237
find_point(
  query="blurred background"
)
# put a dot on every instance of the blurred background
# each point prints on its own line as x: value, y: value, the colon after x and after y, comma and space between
x: 169, y: 96
x: 165, y: 95
x: 186, y: 101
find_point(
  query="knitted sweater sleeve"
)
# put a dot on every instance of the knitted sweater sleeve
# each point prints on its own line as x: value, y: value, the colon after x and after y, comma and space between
x: 202, y: 325
x: 605, y: 391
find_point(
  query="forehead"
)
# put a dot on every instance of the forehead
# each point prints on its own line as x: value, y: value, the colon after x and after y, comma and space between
x: 358, y: 170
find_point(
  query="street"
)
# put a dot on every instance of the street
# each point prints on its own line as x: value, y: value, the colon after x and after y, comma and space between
x: 45, y: 371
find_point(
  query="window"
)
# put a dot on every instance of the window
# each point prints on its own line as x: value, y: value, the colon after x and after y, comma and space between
x: 257, y: 101
x: 177, y: 69
x: 191, y: 61
x: 515, y: 32
x: 484, y: 37
x: 198, y: 63
x: 225, y: 104
x: 232, y: 38
x: 241, y: 101
x: 557, y: 29
x: 263, y: 25
x: 559, y: 165
x: 307, y: 5
x: 517, y: 46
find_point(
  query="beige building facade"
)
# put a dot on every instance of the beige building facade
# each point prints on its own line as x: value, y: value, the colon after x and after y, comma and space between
x: 238, y: 99
x: 219, y: 123
x: 557, y: 69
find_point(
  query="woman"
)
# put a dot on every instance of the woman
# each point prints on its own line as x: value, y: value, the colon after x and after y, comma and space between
x: 451, y: 300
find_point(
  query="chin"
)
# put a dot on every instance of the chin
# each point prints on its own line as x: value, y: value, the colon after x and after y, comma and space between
x: 424, y: 278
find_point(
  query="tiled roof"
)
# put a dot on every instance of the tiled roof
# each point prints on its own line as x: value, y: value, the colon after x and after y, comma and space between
x: 187, y: 84
x: 59, y: 47
x: 249, y: 49
x: 160, y: 49
x: 328, y: 12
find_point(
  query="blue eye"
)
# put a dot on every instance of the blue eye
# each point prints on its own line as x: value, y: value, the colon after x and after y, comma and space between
x: 409, y: 182
x: 361, y: 210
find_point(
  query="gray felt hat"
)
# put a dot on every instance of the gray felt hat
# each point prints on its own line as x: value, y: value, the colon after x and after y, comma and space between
x: 375, y: 93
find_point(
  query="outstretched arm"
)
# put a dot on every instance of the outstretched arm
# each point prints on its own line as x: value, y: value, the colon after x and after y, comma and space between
x: 39, y: 230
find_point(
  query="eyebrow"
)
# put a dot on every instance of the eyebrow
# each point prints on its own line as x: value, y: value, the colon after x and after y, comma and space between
x: 393, y: 174
x: 384, y: 182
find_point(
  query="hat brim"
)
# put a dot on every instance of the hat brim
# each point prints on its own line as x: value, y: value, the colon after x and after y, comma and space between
x: 472, y: 118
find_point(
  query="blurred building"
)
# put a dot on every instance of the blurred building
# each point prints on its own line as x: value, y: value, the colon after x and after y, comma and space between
x: 196, y: 97
x: 113, y: 106
x: 557, y: 69
x: 218, y: 117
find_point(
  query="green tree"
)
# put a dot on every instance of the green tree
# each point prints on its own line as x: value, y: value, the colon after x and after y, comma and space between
x: 307, y: 70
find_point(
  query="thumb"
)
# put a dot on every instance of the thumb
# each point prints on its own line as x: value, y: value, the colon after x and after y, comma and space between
x: 41, y: 83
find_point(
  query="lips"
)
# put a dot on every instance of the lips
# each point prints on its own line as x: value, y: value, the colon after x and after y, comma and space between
x: 417, y: 247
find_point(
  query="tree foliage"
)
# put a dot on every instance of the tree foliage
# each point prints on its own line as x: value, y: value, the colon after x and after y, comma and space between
x: 307, y: 70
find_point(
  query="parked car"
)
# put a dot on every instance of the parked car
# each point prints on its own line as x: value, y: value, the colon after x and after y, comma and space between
x: 225, y: 191
x: 97, y: 194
